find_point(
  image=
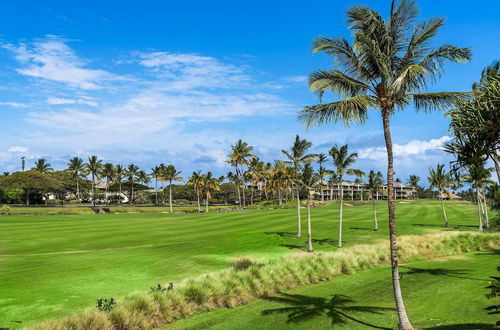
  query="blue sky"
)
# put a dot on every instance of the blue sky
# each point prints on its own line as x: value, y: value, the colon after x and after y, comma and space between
x: 178, y: 82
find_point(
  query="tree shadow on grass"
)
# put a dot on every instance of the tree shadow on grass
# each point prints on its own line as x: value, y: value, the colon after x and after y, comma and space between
x: 457, y: 273
x: 339, y: 309
x: 325, y: 241
x: 281, y: 233
x: 294, y: 246
x: 490, y: 252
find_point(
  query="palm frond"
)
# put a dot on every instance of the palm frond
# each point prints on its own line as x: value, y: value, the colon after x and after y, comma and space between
x: 351, y: 110
x: 438, y: 100
x: 336, y: 81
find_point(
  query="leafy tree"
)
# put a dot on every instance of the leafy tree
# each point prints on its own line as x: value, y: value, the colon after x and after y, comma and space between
x: 388, y: 65
x: 297, y: 156
x: 374, y: 183
x: 441, y: 180
x: 342, y: 160
x: 93, y: 166
x: 171, y: 174
x: 31, y: 182
x: 42, y: 166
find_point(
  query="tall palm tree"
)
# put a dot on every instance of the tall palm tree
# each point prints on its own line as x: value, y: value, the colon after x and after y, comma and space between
x: 132, y: 171
x: 413, y: 182
x: 441, y: 180
x: 156, y: 173
x: 42, y: 166
x: 143, y: 177
x: 93, y: 166
x: 297, y: 156
x: 196, y: 180
x: 108, y: 172
x: 479, y: 176
x: 322, y: 159
x: 310, y: 180
x: 209, y: 184
x: 342, y: 160
x: 239, y: 157
x: 76, y: 168
x: 256, y: 175
x: 388, y: 66
x: 171, y: 174
x: 119, y: 174
x: 374, y: 183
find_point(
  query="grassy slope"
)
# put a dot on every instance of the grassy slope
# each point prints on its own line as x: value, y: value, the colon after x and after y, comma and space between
x: 447, y: 293
x: 56, y: 265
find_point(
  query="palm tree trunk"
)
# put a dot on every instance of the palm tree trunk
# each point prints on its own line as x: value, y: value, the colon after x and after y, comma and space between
x: 170, y: 196
x: 321, y: 190
x: 206, y: 203
x: 374, y: 215
x: 299, y: 233
x: 251, y: 196
x: 479, y: 210
x: 239, y: 197
x: 77, y: 189
x: 243, y: 192
x: 484, y: 209
x: 198, y: 197
x: 341, y: 197
x: 444, y: 211
x: 156, y: 190
x: 106, y: 192
x: 120, y: 188
x: 404, y: 322
x: 132, y: 193
x: 93, y: 190
x: 309, y: 233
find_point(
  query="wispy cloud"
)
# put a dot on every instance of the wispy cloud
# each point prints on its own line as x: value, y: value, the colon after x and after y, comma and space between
x: 52, y: 59
x: 59, y: 101
x: 14, y: 104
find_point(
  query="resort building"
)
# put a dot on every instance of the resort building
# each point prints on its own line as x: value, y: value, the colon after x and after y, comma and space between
x: 356, y: 191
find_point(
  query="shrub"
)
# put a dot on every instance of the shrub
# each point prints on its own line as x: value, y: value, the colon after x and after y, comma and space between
x: 159, y: 288
x: 5, y: 210
x: 242, y: 264
x: 105, y: 305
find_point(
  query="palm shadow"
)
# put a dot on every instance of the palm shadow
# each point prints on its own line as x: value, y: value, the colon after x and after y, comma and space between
x: 325, y: 241
x: 281, y: 233
x: 339, y: 308
x: 490, y: 252
x: 293, y: 246
x: 358, y: 228
x: 457, y: 273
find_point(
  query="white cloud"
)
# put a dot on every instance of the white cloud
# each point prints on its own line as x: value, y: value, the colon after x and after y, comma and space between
x: 52, y: 59
x: 295, y: 79
x: 411, y: 149
x: 14, y: 104
x: 18, y: 149
x: 59, y: 101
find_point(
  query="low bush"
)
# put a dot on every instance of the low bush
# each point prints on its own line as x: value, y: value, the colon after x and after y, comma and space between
x: 5, y: 210
x: 249, y: 281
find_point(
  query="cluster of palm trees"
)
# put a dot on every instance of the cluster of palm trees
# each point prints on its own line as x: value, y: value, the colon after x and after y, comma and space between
x: 204, y: 185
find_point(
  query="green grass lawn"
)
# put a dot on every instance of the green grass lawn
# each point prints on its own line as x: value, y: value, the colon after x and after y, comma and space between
x: 57, y: 265
x: 447, y: 293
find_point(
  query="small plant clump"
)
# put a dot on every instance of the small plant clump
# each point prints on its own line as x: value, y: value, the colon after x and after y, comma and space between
x: 243, y: 264
x: 105, y: 305
x: 160, y: 288
x: 5, y: 210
